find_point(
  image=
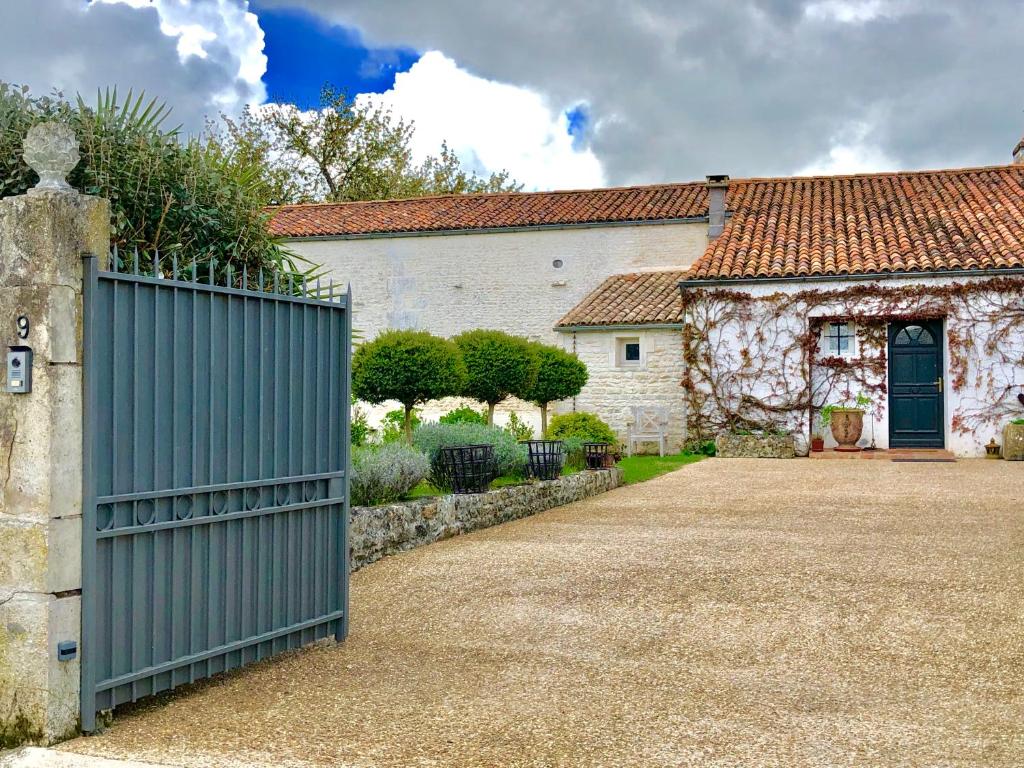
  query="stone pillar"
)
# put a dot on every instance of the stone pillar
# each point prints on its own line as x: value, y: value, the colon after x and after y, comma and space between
x: 42, y: 237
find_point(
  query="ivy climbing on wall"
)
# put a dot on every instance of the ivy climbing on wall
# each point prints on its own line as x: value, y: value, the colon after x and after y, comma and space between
x: 753, y: 358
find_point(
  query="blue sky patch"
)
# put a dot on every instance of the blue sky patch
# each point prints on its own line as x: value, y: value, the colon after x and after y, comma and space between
x: 579, y: 121
x: 304, y: 52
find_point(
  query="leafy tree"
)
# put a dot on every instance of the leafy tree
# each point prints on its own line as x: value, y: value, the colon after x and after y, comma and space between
x: 180, y: 195
x: 343, y: 151
x: 560, y: 375
x: 412, y: 367
x: 497, y: 365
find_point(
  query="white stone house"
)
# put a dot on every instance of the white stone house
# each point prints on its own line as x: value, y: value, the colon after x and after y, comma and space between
x: 907, y: 288
x: 734, y: 304
x: 514, y: 261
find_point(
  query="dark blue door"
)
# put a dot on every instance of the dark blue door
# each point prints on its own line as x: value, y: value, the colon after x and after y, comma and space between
x: 915, y: 384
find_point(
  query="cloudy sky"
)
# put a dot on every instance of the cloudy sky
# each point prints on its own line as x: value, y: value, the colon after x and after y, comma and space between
x: 575, y: 93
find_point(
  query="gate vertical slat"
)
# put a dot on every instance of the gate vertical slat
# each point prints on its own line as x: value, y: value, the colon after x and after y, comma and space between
x: 184, y: 575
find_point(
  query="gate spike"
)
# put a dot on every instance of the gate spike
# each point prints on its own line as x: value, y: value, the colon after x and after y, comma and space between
x: 331, y: 290
x: 156, y: 264
x: 261, y: 280
x: 194, y: 275
x: 114, y: 258
x: 135, y: 262
x: 227, y: 277
x: 319, y: 298
x: 277, y: 281
x: 245, y: 277
x: 213, y: 268
x: 305, y: 285
x: 174, y: 267
x: 291, y: 284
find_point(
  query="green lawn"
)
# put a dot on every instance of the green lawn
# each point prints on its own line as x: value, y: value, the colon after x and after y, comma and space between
x: 636, y: 470
x: 639, y: 468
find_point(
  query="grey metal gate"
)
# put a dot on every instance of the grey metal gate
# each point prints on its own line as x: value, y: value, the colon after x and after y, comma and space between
x: 215, y: 519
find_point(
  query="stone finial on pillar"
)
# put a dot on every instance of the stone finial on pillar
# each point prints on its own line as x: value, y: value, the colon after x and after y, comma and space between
x: 51, y: 150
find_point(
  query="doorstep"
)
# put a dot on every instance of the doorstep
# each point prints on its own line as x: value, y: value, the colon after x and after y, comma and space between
x: 895, y: 454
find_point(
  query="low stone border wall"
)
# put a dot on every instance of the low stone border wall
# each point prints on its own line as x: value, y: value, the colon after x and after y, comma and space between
x: 755, y: 447
x: 379, y: 531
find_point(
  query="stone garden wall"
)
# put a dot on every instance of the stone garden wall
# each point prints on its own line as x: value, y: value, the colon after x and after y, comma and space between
x: 379, y: 531
x: 755, y: 447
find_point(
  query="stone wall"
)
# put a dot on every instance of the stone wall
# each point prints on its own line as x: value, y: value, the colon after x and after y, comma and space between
x: 755, y: 447
x: 611, y: 391
x: 42, y: 238
x: 380, y: 531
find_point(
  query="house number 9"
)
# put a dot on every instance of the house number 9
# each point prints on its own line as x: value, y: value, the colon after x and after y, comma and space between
x: 23, y: 327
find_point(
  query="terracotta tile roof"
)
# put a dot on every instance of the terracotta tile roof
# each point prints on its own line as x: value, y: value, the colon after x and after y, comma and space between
x: 490, y: 211
x: 893, y: 222
x: 634, y: 299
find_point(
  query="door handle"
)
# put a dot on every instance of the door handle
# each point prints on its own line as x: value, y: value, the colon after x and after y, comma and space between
x: 938, y: 383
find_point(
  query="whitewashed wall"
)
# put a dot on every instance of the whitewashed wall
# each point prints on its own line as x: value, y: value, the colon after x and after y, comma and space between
x: 734, y: 339
x: 449, y: 283
x: 613, y: 390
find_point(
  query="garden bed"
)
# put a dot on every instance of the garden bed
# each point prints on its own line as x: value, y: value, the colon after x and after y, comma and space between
x: 376, y: 532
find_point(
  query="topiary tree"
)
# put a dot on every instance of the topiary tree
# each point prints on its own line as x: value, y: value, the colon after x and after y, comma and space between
x: 497, y: 365
x: 560, y: 375
x: 412, y: 367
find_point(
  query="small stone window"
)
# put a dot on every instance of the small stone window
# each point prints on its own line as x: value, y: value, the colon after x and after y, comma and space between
x: 627, y: 352
x: 839, y: 339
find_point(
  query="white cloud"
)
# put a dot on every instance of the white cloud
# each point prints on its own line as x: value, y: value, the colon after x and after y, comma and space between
x: 201, y: 58
x: 490, y: 125
x: 225, y: 27
x: 845, y: 11
x: 852, y: 151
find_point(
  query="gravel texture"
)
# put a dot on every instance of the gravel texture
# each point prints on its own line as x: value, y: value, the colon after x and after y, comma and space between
x: 733, y: 613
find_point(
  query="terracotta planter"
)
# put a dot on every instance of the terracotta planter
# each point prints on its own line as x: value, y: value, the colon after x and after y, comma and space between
x: 1013, y: 442
x: 847, y: 424
x: 817, y: 444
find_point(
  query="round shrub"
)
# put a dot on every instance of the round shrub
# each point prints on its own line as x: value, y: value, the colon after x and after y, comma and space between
x: 385, y: 473
x: 509, y: 456
x: 560, y: 375
x: 497, y: 365
x: 585, y: 426
x: 412, y: 367
x: 464, y: 415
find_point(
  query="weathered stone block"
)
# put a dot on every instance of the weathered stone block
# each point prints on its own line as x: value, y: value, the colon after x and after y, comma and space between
x: 41, y: 446
x: 38, y: 694
x: 55, y: 317
x: 755, y: 447
x: 44, y: 235
x: 23, y: 556
x: 64, y: 545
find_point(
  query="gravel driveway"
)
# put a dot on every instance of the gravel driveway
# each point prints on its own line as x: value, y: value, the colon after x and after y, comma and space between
x: 733, y: 613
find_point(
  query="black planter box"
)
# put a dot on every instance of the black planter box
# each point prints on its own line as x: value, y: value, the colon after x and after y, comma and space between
x: 545, y: 458
x: 470, y: 468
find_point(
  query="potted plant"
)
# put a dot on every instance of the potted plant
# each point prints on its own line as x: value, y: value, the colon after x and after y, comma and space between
x: 817, y: 438
x: 1013, y: 440
x: 846, y: 422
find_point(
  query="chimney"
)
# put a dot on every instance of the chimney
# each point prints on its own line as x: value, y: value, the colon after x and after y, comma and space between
x: 718, y: 185
x: 1018, y: 153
